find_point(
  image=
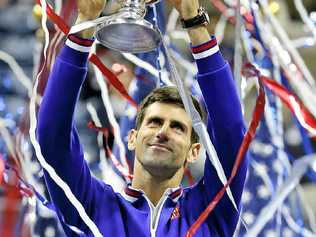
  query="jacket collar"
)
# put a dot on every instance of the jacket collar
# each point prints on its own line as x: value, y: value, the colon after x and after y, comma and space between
x: 131, y: 194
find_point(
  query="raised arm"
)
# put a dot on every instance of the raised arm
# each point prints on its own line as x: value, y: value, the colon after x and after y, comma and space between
x: 225, y: 120
x: 56, y: 130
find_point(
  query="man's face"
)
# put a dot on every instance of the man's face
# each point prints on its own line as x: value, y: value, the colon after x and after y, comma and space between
x: 163, y: 142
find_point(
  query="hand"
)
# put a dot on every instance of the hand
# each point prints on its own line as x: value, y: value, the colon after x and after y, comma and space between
x: 90, y: 9
x: 189, y: 9
x: 186, y: 8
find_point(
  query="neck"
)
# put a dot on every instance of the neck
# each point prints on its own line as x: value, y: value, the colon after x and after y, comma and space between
x: 153, y: 186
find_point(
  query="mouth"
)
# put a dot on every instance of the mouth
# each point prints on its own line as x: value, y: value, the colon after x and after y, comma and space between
x: 160, y: 147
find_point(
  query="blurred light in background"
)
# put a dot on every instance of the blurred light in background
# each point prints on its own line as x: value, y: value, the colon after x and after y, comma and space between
x: 274, y: 7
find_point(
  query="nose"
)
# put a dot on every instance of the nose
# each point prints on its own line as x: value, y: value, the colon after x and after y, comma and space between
x: 162, y: 133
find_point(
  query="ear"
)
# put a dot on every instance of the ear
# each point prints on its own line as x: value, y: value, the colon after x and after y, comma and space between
x: 131, y: 145
x: 194, y: 152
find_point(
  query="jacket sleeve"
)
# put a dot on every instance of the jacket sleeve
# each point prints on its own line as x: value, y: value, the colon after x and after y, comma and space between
x: 226, y: 129
x: 57, y: 134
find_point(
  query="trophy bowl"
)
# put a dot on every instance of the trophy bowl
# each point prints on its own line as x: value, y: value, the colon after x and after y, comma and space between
x: 128, y: 31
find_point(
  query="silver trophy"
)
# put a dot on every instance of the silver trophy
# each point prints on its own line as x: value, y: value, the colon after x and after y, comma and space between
x: 127, y: 30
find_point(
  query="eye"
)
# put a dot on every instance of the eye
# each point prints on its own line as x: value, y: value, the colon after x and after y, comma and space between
x: 154, y: 122
x: 178, y: 127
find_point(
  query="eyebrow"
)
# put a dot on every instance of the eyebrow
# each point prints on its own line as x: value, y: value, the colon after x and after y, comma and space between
x: 154, y: 117
x: 174, y: 122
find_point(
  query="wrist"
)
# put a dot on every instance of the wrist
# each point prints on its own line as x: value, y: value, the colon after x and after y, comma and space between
x: 198, y: 35
x: 190, y: 14
x: 88, y: 33
x: 200, y: 19
x: 86, y: 17
x: 83, y: 18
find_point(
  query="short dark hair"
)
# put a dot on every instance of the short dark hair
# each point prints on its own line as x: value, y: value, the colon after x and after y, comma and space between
x: 168, y: 95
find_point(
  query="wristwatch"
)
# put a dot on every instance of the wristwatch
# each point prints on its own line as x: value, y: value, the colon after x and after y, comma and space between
x: 201, y: 19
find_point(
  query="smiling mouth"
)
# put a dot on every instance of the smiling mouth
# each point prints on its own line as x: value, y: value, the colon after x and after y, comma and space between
x: 160, y: 147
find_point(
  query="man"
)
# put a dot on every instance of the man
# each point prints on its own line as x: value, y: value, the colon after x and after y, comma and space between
x: 163, y: 140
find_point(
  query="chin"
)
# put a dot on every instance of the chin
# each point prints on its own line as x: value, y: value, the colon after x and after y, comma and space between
x: 161, y: 169
x: 162, y: 174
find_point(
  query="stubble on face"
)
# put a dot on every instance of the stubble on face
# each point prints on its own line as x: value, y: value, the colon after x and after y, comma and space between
x: 163, y: 140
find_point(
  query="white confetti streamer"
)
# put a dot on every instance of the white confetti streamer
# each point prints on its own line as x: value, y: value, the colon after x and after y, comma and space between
x: 108, y: 175
x: 304, y: 15
x: 172, y: 20
x: 294, y: 226
x: 307, y: 208
x: 5, y: 134
x: 50, y: 170
x: 197, y: 124
x: 147, y: 66
x: 238, y: 49
x: 111, y: 117
x: 304, y: 90
x: 298, y: 170
x: 58, y: 6
x: 287, y: 43
x: 89, y: 24
x: 141, y: 63
x: 17, y: 70
x: 180, y: 34
x: 220, y: 28
x: 304, y: 42
x: 300, y: 117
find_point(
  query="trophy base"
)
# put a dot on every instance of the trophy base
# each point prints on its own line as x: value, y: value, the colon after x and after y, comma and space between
x: 128, y: 35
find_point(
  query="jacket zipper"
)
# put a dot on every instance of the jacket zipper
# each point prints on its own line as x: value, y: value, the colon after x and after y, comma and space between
x: 155, y: 213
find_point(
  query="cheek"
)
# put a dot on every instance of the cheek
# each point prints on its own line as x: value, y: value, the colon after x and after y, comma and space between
x: 142, y: 138
x: 184, y: 145
x: 139, y: 142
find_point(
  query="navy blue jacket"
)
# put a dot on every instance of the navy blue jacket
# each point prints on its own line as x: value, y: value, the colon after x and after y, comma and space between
x: 131, y: 213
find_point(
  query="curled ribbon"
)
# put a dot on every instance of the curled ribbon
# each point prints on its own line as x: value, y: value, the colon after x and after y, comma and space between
x: 112, y: 79
x: 109, y: 75
x: 118, y: 165
x: 24, y: 189
x: 14, y: 191
x: 1, y: 169
x: 305, y: 118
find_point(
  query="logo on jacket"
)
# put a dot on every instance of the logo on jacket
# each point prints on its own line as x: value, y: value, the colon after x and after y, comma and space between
x: 175, y: 213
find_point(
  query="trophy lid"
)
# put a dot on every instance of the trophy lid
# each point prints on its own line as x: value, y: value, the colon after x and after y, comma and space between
x: 126, y: 33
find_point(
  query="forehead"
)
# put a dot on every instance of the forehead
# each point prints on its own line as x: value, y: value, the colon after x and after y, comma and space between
x: 168, y: 111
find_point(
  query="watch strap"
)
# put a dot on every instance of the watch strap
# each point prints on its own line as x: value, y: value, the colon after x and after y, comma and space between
x: 201, y: 19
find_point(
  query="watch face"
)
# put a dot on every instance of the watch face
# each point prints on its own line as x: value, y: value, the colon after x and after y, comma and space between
x: 207, y: 17
x: 204, y: 13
